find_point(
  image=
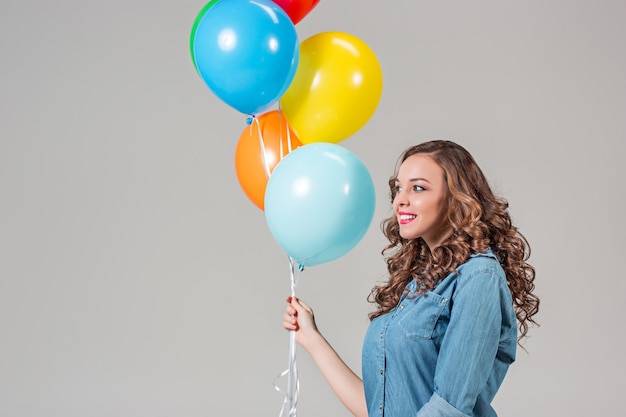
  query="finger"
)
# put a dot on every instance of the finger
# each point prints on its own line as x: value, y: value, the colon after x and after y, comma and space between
x: 291, y: 310
x: 291, y: 318
x: 302, y: 305
x: 289, y: 323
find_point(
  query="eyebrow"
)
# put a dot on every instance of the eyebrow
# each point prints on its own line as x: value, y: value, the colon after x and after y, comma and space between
x: 413, y: 180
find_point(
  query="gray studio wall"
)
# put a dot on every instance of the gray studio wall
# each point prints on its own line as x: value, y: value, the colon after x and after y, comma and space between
x: 136, y: 279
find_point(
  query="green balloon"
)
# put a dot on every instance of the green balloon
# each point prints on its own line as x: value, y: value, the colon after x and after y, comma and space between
x: 196, y: 22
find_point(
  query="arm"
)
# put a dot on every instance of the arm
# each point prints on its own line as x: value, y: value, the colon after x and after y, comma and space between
x: 344, y: 382
x: 467, y: 357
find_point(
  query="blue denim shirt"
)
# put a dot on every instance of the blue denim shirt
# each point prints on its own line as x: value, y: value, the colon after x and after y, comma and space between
x: 444, y: 353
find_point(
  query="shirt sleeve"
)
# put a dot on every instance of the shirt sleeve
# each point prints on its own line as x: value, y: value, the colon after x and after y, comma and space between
x: 470, y: 345
x: 438, y: 407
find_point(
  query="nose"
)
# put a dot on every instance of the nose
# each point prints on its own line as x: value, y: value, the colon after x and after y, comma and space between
x: 400, y: 199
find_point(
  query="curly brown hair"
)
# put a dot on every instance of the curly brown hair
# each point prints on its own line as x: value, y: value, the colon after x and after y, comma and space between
x: 479, y: 220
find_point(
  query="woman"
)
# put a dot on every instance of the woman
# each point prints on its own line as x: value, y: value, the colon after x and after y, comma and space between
x: 445, y: 328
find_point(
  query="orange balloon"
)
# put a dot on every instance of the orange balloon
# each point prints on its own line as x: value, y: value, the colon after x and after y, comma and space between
x: 261, y: 146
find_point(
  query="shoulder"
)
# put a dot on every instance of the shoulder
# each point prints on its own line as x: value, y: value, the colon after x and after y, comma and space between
x: 481, y: 280
x: 483, y: 266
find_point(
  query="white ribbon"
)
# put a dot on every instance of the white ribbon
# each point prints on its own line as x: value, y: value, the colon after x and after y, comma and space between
x: 293, y: 385
x: 253, y: 120
x: 266, y: 166
x: 290, y: 401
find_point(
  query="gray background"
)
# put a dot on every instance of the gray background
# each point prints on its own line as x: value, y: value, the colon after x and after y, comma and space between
x: 136, y: 279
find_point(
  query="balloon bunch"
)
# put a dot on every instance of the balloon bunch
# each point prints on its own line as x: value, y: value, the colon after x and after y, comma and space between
x: 318, y: 197
x: 318, y: 200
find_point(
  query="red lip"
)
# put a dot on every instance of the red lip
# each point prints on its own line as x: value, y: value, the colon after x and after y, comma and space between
x: 406, y: 220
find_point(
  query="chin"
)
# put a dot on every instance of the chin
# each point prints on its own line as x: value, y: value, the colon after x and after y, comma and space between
x: 408, y: 236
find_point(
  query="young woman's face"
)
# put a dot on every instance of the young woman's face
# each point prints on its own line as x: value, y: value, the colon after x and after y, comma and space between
x: 420, y: 203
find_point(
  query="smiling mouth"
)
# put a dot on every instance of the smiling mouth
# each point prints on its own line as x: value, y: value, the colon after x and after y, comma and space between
x: 406, y: 218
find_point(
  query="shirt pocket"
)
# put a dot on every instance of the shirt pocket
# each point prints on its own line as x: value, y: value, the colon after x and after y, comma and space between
x: 420, y: 316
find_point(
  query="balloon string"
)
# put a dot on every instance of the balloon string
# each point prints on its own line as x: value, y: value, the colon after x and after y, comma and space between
x: 262, y: 145
x: 290, y: 401
x: 253, y: 120
x: 280, y: 133
x: 280, y: 120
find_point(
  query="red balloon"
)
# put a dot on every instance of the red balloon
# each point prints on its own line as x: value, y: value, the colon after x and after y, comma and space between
x: 297, y: 9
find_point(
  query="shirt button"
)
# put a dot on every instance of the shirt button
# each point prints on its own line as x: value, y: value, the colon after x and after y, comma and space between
x: 381, y: 371
x: 380, y: 406
x: 401, y: 306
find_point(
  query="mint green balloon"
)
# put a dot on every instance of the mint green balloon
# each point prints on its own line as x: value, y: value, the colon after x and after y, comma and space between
x: 319, y: 203
x: 194, y: 27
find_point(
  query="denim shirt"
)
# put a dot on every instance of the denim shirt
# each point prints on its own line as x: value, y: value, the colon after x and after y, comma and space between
x: 444, y: 353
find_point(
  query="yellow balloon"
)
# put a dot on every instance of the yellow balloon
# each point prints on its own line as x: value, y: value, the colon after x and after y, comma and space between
x: 336, y: 89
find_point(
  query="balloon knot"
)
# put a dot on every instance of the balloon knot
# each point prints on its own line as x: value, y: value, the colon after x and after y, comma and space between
x: 300, y: 267
x: 249, y: 120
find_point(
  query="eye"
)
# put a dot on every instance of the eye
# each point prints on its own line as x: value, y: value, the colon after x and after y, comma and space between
x: 418, y: 188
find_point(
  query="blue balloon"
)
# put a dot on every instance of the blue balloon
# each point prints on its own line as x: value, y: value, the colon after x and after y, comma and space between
x: 247, y: 53
x: 319, y: 203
